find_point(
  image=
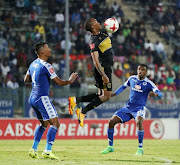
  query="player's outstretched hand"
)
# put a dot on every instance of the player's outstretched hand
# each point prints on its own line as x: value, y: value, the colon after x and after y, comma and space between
x: 73, y: 77
x: 105, y: 80
x: 152, y: 94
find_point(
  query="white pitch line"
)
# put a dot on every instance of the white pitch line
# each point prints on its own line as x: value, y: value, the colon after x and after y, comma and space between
x: 166, y: 161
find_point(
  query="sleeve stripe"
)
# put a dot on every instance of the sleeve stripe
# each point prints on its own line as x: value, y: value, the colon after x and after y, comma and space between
x: 53, y: 75
x: 154, y: 87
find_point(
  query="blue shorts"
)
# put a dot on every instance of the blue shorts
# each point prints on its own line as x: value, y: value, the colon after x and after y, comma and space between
x: 43, y: 107
x: 127, y: 113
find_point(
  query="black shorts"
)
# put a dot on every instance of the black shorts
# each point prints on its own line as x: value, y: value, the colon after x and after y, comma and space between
x: 99, y: 79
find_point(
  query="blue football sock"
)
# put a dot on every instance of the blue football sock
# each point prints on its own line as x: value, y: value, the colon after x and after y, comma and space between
x: 140, y: 138
x: 38, y: 135
x: 110, y: 136
x: 51, y: 134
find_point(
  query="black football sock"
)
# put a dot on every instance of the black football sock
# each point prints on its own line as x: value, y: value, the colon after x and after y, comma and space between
x: 87, y: 98
x: 93, y: 104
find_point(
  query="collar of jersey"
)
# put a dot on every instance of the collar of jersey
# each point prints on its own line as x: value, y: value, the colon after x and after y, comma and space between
x: 141, y: 80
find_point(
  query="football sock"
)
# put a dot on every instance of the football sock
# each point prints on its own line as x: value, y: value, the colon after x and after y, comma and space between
x: 38, y: 135
x: 93, y: 104
x: 140, y: 138
x: 110, y: 136
x: 87, y: 98
x: 51, y: 134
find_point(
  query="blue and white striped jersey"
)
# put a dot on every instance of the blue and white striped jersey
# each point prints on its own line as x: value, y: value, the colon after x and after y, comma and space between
x: 41, y: 72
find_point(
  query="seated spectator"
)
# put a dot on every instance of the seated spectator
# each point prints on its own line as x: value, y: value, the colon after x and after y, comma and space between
x: 162, y: 85
x: 115, y: 7
x: 37, y: 36
x: 151, y: 73
x: 76, y: 17
x: 32, y: 18
x: 9, y: 18
x: 159, y: 48
x: 40, y: 28
x: 170, y: 76
x: 171, y: 29
x: 120, y: 38
x: 161, y: 74
x: 177, y: 81
x: 176, y: 68
x: 118, y: 71
x: 59, y: 17
x: 20, y: 4
x: 164, y: 31
x: 149, y: 44
x: 22, y: 58
x: 12, y: 57
x: 5, y: 68
x: 12, y: 84
x: 4, y: 15
x: 3, y: 46
x: 53, y: 32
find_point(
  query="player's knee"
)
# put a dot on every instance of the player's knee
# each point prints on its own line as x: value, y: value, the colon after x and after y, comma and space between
x: 58, y: 124
x: 139, y: 123
x: 112, y: 123
x: 107, y: 97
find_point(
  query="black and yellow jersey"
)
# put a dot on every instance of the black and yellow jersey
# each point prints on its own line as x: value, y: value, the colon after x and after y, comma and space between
x: 102, y: 44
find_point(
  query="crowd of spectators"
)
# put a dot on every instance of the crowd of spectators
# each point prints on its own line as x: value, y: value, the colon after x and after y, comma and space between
x: 30, y: 24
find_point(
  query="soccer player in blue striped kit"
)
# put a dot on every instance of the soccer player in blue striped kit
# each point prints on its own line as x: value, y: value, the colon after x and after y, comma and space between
x: 141, y: 89
x: 40, y: 72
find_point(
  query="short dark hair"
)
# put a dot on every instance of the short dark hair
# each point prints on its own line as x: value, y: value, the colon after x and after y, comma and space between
x: 88, y: 25
x: 143, y: 66
x: 39, y: 45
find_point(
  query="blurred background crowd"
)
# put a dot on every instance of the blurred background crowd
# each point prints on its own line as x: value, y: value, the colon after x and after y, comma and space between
x: 25, y: 22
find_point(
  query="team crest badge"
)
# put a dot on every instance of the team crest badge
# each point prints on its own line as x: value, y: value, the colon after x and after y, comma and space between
x: 92, y: 46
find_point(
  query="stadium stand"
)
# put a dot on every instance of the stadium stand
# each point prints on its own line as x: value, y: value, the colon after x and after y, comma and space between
x: 25, y: 22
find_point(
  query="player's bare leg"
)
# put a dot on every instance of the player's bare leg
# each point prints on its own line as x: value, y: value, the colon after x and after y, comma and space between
x: 47, y: 153
x: 38, y: 135
x: 140, y: 128
x: 112, y: 122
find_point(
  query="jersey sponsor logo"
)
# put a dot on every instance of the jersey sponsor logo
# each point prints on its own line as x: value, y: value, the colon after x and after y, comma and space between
x: 51, y: 70
x: 138, y: 90
x: 92, y: 46
x: 105, y: 45
x: 137, y: 86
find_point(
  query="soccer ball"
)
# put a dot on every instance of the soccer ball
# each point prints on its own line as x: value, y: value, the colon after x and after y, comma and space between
x: 111, y: 25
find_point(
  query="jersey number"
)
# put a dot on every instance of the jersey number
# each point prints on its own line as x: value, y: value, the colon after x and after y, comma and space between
x: 33, y: 78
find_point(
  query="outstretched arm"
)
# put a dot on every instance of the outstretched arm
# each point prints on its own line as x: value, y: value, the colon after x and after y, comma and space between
x: 156, y: 93
x: 61, y: 82
x: 119, y: 90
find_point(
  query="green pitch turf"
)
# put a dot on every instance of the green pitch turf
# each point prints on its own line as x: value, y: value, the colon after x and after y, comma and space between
x: 88, y: 152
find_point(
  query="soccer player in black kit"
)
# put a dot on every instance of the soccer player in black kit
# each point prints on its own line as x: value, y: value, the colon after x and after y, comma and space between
x: 102, y: 55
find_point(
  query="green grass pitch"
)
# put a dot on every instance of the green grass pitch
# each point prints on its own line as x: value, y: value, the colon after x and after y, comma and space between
x: 87, y: 152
